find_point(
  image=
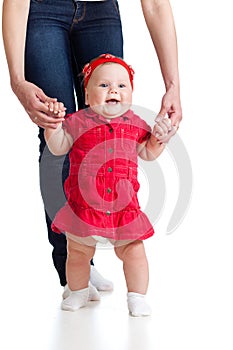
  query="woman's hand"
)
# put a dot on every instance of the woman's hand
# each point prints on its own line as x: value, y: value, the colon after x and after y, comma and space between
x: 33, y: 100
x: 171, y: 106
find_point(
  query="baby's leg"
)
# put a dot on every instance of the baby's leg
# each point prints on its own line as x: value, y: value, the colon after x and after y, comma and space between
x: 78, y: 274
x: 136, y: 272
x: 78, y: 264
x: 135, y: 266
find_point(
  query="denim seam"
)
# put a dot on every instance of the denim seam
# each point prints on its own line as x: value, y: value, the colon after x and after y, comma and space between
x: 117, y: 9
x: 78, y: 19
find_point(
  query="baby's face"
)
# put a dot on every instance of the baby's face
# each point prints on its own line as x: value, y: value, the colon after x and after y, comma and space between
x: 109, y: 91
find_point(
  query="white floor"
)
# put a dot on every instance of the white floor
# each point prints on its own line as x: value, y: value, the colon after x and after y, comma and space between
x: 190, y: 294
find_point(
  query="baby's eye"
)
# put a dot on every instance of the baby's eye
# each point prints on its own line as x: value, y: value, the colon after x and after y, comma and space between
x: 121, y: 85
x: 104, y: 85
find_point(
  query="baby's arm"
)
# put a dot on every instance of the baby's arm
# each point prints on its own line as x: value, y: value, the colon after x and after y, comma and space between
x: 58, y: 140
x: 154, y: 146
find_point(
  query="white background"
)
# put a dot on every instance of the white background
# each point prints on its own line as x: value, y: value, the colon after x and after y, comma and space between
x: 191, y: 270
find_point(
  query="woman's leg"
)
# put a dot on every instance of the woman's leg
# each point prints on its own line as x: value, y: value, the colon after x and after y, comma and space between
x: 136, y: 272
x: 96, y: 30
x: 48, y: 64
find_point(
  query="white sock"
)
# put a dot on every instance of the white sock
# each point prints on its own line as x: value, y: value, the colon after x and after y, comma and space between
x: 75, y: 300
x: 99, y: 281
x: 137, y: 305
x: 92, y: 296
x: 93, y: 293
x: 66, y: 292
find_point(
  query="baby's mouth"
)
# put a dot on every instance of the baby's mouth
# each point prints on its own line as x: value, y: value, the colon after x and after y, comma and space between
x: 112, y: 101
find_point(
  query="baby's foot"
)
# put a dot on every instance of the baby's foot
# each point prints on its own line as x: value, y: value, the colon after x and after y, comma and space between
x: 92, y: 296
x: 137, y: 305
x: 75, y: 300
x: 99, y: 281
x: 93, y: 293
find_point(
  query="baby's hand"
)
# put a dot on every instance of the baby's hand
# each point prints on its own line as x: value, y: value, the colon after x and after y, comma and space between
x: 163, y: 129
x: 56, y: 109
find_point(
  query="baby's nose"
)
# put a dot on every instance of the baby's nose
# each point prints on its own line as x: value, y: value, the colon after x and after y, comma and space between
x: 113, y: 90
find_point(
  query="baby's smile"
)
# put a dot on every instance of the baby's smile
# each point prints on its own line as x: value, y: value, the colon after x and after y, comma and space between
x: 112, y: 101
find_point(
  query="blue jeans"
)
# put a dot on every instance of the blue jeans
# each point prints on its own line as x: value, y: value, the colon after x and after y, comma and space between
x: 62, y: 36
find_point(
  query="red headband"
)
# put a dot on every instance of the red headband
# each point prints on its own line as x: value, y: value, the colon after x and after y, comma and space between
x: 90, y: 67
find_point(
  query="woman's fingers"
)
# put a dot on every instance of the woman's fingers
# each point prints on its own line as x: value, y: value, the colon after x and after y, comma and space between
x: 43, y: 120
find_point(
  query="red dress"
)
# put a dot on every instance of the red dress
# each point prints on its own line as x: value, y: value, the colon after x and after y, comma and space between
x: 102, y: 185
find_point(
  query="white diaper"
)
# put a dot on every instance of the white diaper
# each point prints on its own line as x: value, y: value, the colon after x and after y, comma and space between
x: 100, y: 239
x: 102, y: 242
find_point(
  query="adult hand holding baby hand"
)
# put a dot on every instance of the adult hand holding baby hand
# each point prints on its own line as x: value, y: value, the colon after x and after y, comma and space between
x: 56, y: 109
x: 163, y: 129
x: 34, y: 101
